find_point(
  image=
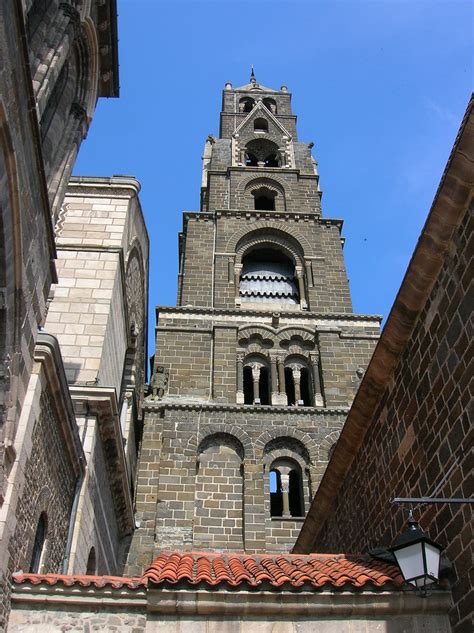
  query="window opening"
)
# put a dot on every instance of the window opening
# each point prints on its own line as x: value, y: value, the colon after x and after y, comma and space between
x: 91, y: 569
x: 248, y: 385
x: 271, y: 105
x: 246, y: 105
x: 264, y: 199
x: 264, y: 386
x: 305, y: 387
x: 251, y: 160
x: 272, y: 161
x: 290, y: 386
x: 296, y: 494
x: 260, y: 125
x: 38, y: 545
x: 268, y: 276
x: 276, y: 497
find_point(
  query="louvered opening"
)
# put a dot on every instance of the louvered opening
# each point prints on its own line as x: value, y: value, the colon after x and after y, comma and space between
x: 268, y: 276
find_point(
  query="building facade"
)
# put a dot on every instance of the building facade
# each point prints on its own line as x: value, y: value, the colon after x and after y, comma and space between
x: 73, y: 301
x: 256, y: 367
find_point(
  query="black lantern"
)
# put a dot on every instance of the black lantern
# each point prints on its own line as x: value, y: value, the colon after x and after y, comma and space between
x: 417, y: 556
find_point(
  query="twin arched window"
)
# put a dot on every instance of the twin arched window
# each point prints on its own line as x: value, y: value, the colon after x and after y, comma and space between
x: 286, y: 489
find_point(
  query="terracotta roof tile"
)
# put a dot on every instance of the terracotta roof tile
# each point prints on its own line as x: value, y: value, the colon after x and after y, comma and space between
x: 115, y: 582
x: 279, y: 570
x: 239, y: 569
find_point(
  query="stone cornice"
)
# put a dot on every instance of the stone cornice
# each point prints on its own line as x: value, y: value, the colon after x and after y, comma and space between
x: 303, y: 314
x: 47, y: 352
x: 63, y: 597
x: 315, y: 218
x: 158, y: 405
x: 286, y: 604
x: 102, y: 186
x: 102, y: 402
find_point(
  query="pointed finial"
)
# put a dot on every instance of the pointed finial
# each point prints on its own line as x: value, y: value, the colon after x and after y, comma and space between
x: 252, y: 77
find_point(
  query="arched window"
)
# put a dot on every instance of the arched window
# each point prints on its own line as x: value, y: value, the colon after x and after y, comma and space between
x: 270, y: 104
x: 298, y: 382
x: 264, y: 199
x: 256, y: 380
x: 262, y: 153
x: 246, y: 104
x: 38, y: 545
x: 91, y: 569
x: 260, y: 125
x: 286, y: 489
x: 268, y: 276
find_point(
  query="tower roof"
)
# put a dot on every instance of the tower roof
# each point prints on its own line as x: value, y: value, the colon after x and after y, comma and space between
x: 254, y: 86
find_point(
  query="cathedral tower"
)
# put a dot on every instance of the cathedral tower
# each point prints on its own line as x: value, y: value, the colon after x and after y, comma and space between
x: 256, y: 367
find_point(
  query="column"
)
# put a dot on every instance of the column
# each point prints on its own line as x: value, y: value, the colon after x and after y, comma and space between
x: 285, y: 493
x: 239, y: 397
x: 318, y: 392
x: 274, y: 379
x: 301, y: 288
x: 282, y: 397
x: 237, y: 273
x: 256, y: 382
x: 296, y: 371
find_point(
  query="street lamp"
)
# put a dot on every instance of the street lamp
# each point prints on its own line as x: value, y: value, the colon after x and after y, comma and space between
x: 417, y: 556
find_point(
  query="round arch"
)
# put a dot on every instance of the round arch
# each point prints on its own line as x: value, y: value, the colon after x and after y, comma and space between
x: 305, y: 440
x: 299, y: 241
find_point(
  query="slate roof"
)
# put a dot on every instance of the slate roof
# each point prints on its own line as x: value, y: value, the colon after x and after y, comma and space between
x: 285, y: 571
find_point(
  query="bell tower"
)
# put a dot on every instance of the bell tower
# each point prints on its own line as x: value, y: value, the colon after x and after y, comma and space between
x: 256, y: 367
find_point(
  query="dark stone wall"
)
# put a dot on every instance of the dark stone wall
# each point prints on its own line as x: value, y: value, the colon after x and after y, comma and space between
x: 418, y: 443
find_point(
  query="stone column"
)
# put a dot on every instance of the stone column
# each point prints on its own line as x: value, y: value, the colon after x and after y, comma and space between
x: 296, y: 371
x: 239, y: 398
x: 301, y: 288
x: 318, y: 392
x: 237, y: 273
x: 256, y: 382
x: 274, y: 379
x: 285, y: 493
x: 282, y: 397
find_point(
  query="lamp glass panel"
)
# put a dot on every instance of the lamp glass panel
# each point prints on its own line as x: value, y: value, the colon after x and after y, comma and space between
x: 410, y: 561
x: 432, y: 560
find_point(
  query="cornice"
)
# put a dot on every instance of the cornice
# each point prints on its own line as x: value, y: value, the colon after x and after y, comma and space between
x: 151, y: 405
x: 303, y: 314
x: 47, y: 352
x: 295, y: 216
x: 102, y: 186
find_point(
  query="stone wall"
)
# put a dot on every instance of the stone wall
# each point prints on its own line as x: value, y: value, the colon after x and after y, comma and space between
x: 184, y: 448
x: 418, y: 442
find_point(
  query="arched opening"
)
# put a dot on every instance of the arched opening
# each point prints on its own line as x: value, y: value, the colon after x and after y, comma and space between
x: 246, y: 104
x: 276, y: 497
x: 306, y: 394
x: 271, y: 105
x: 263, y: 153
x: 268, y: 276
x: 264, y: 386
x: 91, y: 569
x: 295, y: 494
x: 264, y: 199
x: 290, y: 386
x: 260, y: 125
x: 38, y: 545
x: 248, y: 385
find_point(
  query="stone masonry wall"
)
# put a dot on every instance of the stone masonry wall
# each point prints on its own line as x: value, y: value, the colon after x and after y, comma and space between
x: 173, y: 478
x: 418, y: 442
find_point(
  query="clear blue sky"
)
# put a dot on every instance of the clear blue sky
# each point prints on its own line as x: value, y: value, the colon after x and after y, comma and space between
x: 379, y: 86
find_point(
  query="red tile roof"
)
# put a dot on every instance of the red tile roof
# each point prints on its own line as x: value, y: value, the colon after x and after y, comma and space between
x: 243, y: 570
x: 278, y: 570
x: 115, y: 582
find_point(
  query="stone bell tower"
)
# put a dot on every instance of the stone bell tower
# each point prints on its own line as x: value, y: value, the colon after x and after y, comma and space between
x: 257, y: 365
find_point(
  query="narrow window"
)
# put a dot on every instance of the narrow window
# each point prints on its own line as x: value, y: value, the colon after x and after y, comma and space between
x: 305, y: 387
x: 248, y: 385
x: 290, y: 386
x: 271, y: 105
x: 91, y: 569
x: 276, y: 497
x: 264, y: 386
x: 296, y: 494
x: 260, y: 125
x: 246, y: 104
x: 38, y: 545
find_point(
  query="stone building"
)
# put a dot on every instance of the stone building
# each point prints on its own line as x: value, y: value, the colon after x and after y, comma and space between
x: 73, y: 300
x: 409, y: 432
x: 256, y: 367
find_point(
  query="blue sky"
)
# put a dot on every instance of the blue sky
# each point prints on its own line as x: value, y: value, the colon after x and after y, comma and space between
x: 379, y: 86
